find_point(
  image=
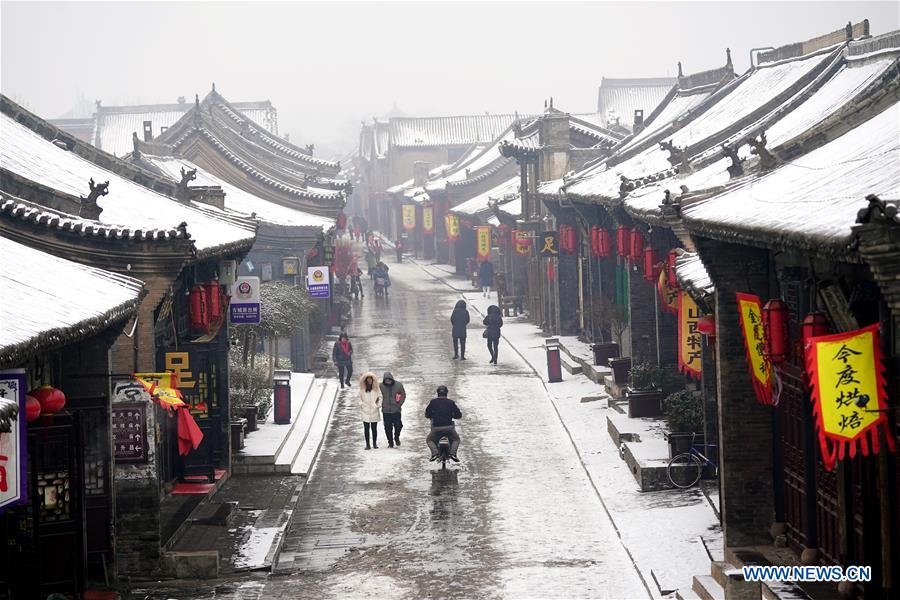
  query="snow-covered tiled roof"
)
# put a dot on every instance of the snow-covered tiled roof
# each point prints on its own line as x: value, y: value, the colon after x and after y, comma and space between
x: 693, y: 277
x: 49, y: 301
x: 674, y: 109
x: 503, y: 193
x: 28, y: 155
x: 810, y: 202
x: 447, y: 131
x: 617, y: 99
x: 237, y: 199
x: 488, y: 159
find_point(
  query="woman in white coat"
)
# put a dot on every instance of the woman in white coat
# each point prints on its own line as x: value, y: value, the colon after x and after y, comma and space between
x: 370, y: 406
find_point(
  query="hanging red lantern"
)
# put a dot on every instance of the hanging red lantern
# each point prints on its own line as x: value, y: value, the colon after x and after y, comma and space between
x: 604, y: 243
x: 551, y: 270
x: 198, y: 311
x: 623, y: 241
x: 650, y: 261
x: 32, y: 408
x: 571, y: 240
x: 595, y: 248
x: 814, y: 325
x: 637, y: 245
x: 671, y: 279
x: 706, y: 325
x: 213, y: 300
x: 775, y: 322
x: 51, y: 399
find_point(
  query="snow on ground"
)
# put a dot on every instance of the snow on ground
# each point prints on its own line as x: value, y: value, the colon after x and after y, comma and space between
x: 660, y: 530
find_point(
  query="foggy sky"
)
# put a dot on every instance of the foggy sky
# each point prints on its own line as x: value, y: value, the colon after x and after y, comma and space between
x: 327, y: 66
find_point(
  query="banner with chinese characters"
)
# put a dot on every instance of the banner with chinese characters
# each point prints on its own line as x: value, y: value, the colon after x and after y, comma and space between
x: 848, y: 391
x: 162, y: 387
x: 409, y: 217
x: 13, y: 443
x: 482, y: 243
x: 690, y: 341
x: 452, y: 224
x: 549, y: 244
x: 522, y: 241
x: 750, y: 310
x: 668, y: 296
x: 428, y: 219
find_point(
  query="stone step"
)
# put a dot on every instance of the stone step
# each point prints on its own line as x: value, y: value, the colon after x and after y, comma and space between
x: 572, y: 367
x: 686, y: 594
x: 708, y: 588
x: 289, y: 453
x: 310, y: 450
x: 214, y: 513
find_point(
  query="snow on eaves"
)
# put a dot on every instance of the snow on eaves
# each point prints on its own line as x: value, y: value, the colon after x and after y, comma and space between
x: 128, y: 204
x: 693, y: 277
x: 81, y: 301
x: 811, y: 202
x: 502, y: 193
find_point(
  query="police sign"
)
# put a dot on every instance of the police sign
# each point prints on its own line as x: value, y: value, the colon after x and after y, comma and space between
x: 244, y: 308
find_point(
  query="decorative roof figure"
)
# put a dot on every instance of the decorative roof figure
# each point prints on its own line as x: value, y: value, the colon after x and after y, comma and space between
x: 767, y: 160
x: 735, y: 170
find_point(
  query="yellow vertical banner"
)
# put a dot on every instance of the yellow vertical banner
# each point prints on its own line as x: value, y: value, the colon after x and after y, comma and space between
x: 409, y: 217
x: 690, y: 342
x: 452, y: 223
x: 849, y: 394
x: 482, y: 243
x: 428, y: 219
x: 668, y: 296
x: 750, y: 311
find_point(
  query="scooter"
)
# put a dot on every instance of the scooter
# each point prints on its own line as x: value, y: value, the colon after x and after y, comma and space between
x: 443, y: 451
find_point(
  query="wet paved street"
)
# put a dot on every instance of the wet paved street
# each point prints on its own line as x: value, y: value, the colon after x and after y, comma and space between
x: 516, y: 518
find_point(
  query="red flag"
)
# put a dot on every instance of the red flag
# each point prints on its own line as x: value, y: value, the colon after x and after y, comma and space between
x: 189, y: 434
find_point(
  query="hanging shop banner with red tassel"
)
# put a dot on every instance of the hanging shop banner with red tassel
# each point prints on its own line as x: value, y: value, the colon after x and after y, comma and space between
x: 482, y: 243
x: 409, y: 217
x: 849, y: 393
x: 668, y: 296
x: 162, y: 387
x: 750, y: 310
x: 522, y: 241
x: 428, y: 219
x: 451, y: 223
x: 690, y: 341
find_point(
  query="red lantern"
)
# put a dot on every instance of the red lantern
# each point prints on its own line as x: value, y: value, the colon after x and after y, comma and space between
x: 775, y: 322
x: 814, y: 325
x: 198, y: 310
x: 650, y: 263
x: 571, y: 240
x: 637, y: 245
x: 213, y: 300
x: 595, y: 249
x: 604, y: 243
x: 51, y: 399
x: 551, y: 270
x: 672, y: 280
x: 623, y: 241
x: 706, y: 325
x: 32, y: 408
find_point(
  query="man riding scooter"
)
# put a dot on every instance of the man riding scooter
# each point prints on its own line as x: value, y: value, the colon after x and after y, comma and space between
x: 442, y: 410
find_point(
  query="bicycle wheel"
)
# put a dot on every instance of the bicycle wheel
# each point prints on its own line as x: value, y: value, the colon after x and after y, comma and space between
x: 684, y: 470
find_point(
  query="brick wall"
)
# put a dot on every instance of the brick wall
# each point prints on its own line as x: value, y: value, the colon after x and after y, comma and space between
x: 642, y: 318
x: 745, y: 426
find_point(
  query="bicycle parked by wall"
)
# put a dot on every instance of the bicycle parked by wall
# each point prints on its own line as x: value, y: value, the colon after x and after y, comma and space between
x: 685, y: 469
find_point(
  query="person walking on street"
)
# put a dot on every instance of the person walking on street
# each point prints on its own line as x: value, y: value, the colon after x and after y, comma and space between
x: 378, y: 249
x: 356, y: 287
x: 459, y: 319
x: 370, y: 260
x: 382, y: 279
x: 442, y: 410
x: 370, y: 407
x: 398, y: 247
x: 493, y: 321
x: 342, y: 355
x: 486, y: 277
x: 392, y: 397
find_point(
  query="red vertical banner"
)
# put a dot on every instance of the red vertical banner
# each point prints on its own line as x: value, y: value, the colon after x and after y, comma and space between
x: 689, y: 340
x: 750, y: 311
x: 848, y: 391
x: 482, y: 243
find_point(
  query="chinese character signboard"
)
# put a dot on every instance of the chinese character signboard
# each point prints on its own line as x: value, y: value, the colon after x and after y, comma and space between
x: 690, y: 341
x: 428, y: 220
x: 668, y: 296
x: 317, y: 282
x: 750, y: 310
x: 549, y: 244
x: 849, y: 395
x: 409, y: 217
x: 244, y: 307
x: 129, y: 431
x: 452, y: 224
x: 522, y: 241
x: 13, y: 451
x: 191, y: 379
x: 482, y: 243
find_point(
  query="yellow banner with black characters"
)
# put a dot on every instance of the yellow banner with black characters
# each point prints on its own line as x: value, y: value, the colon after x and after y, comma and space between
x: 750, y: 311
x: 668, y: 296
x: 162, y: 387
x: 409, y: 217
x: 452, y: 224
x: 849, y: 394
x: 690, y: 342
x: 482, y: 243
x: 428, y: 219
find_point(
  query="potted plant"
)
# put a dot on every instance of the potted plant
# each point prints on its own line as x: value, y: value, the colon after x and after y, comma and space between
x: 607, y: 314
x: 684, y: 416
x: 645, y: 392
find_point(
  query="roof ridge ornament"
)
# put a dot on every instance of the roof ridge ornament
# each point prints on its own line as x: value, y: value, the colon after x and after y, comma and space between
x: 728, y: 62
x: 677, y: 156
x: 736, y: 169
x: 89, y: 208
x: 767, y: 160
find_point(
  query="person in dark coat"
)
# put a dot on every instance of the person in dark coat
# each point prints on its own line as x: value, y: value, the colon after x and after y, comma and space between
x: 493, y: 322
x: 393, y: 395
x: 486, y: 277
x: 442, y: 410
x: 459, y: 319
x: 342, y: 355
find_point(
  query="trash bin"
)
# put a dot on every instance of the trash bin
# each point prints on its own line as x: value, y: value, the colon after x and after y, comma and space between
x: 282, y: 382
x: 554, y: 366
